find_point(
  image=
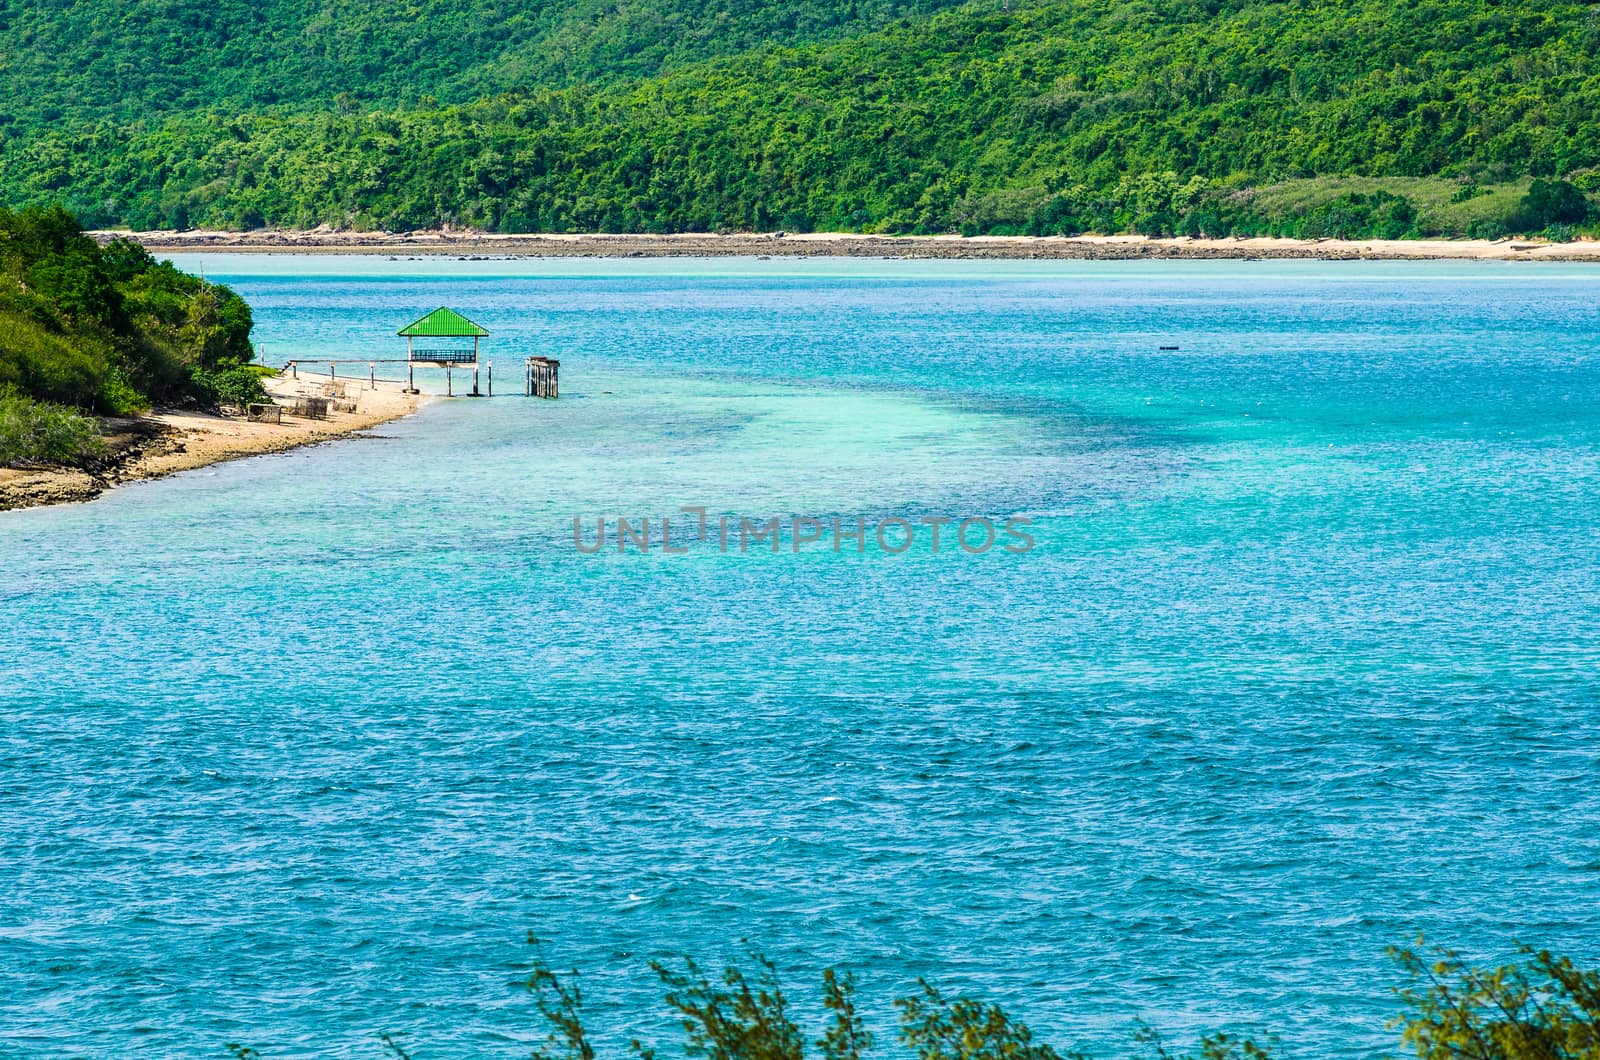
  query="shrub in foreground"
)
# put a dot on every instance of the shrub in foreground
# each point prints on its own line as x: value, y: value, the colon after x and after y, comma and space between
x: 1541, y: 1007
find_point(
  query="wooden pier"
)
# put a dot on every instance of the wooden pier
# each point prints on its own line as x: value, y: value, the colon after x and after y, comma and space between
x: 543, y: 378
x: 541, y: 374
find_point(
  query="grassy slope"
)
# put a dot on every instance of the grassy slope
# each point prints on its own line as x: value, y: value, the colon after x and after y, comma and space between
x: 1440, y: 204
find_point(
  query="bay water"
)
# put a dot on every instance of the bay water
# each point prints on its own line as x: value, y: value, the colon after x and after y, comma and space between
x: 1303, y: 660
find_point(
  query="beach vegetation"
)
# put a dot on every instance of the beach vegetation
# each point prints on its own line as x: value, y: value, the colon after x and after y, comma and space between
x: 1551, y: 203
x: 35, y: 433
x: 1541, y: 1007
x: 108, y: 329
x: 237, y: 386
x: 1537, y: 1007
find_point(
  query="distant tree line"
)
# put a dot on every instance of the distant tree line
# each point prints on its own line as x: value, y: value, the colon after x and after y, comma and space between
x: 1032, y: 116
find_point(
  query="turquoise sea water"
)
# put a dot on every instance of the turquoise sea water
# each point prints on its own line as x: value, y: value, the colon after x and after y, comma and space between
x: 1306, y: 659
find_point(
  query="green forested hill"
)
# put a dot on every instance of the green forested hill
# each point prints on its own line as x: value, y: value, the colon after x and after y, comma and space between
x: 130, y: 59
x: 107, y: 328
x: 1309, y: 117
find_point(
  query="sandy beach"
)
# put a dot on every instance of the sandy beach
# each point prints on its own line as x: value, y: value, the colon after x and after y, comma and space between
x: 826, y: 244
x: 166, y: 442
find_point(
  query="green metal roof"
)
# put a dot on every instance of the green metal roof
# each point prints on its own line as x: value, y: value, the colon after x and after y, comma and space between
x: 442, y: 323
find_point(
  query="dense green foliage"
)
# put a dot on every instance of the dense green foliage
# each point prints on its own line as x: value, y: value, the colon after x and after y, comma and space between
x: 1552, y: 202
x: 129, y: 59
x: 1541, y: 1008
x: 238, y: 386
x: 109, y: 329
x: 1036, y: 116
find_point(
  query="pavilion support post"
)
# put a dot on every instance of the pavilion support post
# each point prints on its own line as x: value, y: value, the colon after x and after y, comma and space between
x: 448, y: 392
x: 491, y: 379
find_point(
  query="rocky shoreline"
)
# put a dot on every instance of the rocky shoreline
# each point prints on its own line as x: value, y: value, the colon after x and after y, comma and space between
x: 778, y: 244
x: 166, y: 442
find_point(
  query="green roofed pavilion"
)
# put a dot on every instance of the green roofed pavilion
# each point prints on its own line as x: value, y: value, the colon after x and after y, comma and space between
x: 443, y: 323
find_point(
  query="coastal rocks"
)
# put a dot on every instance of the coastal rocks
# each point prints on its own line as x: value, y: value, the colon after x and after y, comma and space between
x: 476, y: 246
x: 166, y: 443
x: 24, y: 488
x: 128, y: 441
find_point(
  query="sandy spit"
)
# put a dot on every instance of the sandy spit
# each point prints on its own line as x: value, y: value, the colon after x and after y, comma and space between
x: 831, y: 244
x: 166, y: 442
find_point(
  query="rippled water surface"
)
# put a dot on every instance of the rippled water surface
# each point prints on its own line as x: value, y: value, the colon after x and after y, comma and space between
x: 1306, y: 659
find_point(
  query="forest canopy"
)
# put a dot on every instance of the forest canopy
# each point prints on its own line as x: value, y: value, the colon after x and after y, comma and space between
x: 1306, y: 118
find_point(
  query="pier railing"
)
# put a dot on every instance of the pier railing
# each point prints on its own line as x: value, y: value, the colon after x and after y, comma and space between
x: 444, y: 356
x: 541, y: 374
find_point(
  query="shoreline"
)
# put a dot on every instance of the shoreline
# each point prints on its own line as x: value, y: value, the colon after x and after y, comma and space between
x: 163, y: 443
x: 831, y: 244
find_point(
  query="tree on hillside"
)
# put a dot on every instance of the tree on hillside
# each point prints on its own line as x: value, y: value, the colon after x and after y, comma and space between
x: 1552, y: 202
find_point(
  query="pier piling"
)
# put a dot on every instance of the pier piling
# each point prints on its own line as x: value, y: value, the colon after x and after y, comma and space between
x: 541, y: 377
